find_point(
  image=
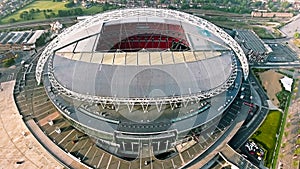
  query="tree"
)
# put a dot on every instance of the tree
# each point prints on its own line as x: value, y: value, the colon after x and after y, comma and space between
x: 162, y: 1
x: 12, y: 20
x: 46, y: 16
x: 297, y: 151
x: 185, y: 5
x: 42, y: 40
x: 147, y: 2
x: 52, y: 14
x: 297, y: 35
x: 9, y: 62
x: 270, y: 4
x: 78, y: 11
x: 32, y: 11
x: 24, y: 15
x: 70, y: 4
x: 285, y: 5
x: 257, y: 4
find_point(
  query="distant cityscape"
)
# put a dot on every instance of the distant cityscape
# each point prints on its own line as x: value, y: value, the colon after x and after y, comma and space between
x: 8, y: 7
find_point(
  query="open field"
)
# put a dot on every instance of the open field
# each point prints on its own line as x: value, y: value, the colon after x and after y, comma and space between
x: 43, y: 8
x: 41, y: 5
x: 230, y: 24
x: 93, y: 10
x: 270, y: 81
x: 266, y: 134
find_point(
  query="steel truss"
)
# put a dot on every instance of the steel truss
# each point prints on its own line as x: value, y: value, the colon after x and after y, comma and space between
x: 144, y: 102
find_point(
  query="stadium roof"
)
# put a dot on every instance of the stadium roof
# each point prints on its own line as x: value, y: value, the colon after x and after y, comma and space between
x: 93, y: 25
x: 143, y: 54
x: 163, y: 80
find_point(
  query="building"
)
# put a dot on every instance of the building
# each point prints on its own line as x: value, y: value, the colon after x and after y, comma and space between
x: 56, y: 27
x: 145, y: 79
x: 254, y: 48
x: 19, y: 40
x: 271, y: 14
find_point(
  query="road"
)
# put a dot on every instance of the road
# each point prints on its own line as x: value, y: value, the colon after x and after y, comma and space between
x: 8, y: 74
x: 245, y: 132
x: 286, y: 65
x: 30, y: 24
x: 289, y: 31
x: 292, y: 27
x: 285, y: 40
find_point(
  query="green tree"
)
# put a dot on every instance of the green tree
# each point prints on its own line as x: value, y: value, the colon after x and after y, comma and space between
x: 24, y: 15
x: 70, y: 4
x: 185, y: 4
x: 12, y: 20
x: 52, y: 14
x: 297, y: 151
x: 9, y: 62
x: 257, y: 4
x: 32, y: 11
x: 285, y: 4
x: 147, y: 2
x: 297, y: 35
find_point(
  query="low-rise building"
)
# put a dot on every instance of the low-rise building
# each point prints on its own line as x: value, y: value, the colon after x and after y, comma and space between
x: 20, y: 40
x: 271, y: 14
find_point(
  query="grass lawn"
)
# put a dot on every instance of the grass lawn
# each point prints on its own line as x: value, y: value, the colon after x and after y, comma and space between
x: 54, y: 7
x: 230, y: 24
x: 93, y: 10
x: 270, y: 81
x: 39, y: 4
x: 266, y: 134
x: 263, y: 33
x: 286, y: 110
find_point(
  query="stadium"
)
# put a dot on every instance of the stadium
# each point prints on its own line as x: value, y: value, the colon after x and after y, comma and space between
x: 135, y: 79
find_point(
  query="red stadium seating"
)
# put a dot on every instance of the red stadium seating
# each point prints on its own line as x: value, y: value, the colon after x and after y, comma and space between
x: 147, y: 41
x: 136, y: 36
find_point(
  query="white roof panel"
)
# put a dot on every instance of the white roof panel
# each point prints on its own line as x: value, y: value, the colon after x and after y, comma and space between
x: 86, y: 45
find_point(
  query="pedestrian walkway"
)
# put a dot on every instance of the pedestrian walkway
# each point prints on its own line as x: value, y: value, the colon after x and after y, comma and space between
x: 18, y: 147
x: 68, y: 160
x: 49, y: 118
x: 287, y: 156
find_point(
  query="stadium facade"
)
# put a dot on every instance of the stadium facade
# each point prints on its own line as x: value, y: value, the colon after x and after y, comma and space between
x: 143, y: 77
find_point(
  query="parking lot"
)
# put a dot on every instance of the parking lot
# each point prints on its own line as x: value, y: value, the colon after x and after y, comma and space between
x: 281, y: 53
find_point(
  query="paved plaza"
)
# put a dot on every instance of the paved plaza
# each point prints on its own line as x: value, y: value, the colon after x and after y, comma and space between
x: 18, y: 147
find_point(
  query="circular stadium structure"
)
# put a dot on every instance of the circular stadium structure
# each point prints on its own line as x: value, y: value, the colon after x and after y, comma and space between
x: 137, y: 78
